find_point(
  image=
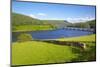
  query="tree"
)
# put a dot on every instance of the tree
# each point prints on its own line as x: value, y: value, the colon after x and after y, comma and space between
x: 24, y: 37
x: 82, y: 25
x: 85, y: 55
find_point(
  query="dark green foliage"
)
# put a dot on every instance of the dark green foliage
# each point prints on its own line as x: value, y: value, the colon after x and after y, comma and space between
x: 81, y: 25
x: 88, y: 54
x: 88, y: 24
x: 24, y: 37
x: 92, y: 23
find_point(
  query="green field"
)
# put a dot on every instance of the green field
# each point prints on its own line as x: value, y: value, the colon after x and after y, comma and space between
x: 31, y: 28
x: 81, y: 38
x: 34, y: 52
x: 37, y: 52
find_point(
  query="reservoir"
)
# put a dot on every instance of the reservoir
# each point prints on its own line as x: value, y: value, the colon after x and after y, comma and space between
x: 53, y: 34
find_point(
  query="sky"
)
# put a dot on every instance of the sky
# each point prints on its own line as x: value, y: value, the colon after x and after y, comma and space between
x: 50, y: 11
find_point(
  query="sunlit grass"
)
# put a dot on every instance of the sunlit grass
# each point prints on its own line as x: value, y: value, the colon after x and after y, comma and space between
x: 31, y: 28
x: 37, y: 52
x: 34, y: 52
x: 80, y: 38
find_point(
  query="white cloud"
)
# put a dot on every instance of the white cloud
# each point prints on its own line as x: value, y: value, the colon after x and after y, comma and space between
x: 38, y: 15
x: 41, y: 14
x: 33, y: 16
x: 84, y: 19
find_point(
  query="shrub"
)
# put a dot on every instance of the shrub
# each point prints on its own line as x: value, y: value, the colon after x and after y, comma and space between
x: 24, y: 37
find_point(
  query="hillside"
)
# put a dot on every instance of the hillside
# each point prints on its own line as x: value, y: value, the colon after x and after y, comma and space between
x: 58, y: 23
x: 19, y: 19
x: 25, y: 23
x: 87, y: 24
x: 92, y: 23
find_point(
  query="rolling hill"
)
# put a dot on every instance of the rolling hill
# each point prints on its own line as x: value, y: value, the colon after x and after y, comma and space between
x: 19, y: 19
x: 58, y: 23
x: 22, y: 22
x: 26, y: 23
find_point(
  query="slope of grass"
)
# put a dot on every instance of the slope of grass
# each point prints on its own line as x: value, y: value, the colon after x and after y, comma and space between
x: 20, y: 19
x: 80, y: 38
x: 31, y: 28
x: 22, y: 22
x: 35, y: 52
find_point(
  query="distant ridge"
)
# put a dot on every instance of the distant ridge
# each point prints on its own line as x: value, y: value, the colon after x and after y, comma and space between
x: 23, y: 22
x: 20, y: 19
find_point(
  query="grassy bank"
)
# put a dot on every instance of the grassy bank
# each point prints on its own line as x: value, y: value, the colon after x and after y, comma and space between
x: 80, y: 38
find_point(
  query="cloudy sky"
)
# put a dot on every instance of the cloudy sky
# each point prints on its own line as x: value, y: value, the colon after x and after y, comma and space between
x: 47, y: 11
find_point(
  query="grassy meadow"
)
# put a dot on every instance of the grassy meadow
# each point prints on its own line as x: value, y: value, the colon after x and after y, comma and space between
x: 38, y: 52
x: 34, y: 52
x: 31, y: 28
x: 80, y: 38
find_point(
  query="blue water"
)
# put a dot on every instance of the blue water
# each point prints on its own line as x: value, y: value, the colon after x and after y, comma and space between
x: 53, y: 34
